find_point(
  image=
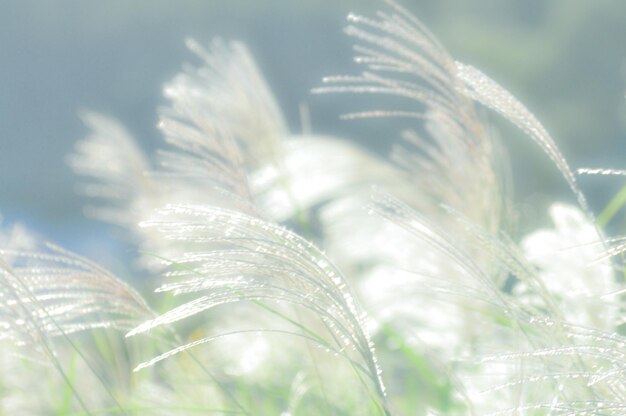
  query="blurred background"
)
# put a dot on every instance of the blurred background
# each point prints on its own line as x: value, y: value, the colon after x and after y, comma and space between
x: 566, y: 60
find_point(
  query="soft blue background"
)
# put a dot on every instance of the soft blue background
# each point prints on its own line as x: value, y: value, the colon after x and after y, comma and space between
x: 565, y: 59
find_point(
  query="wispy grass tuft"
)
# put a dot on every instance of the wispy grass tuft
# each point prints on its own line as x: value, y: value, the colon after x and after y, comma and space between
x: 300, y: 274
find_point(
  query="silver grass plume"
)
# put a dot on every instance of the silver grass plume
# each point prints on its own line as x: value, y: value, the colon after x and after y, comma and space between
x: 47, y: 294
x: 232, y: 257
x: 61, y: 293
x: 116, y: 168
x: 486, y: 91
x: 404, y: 59
x: 455, y: 164
x: 227, y: 131
x: 222, y: 123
